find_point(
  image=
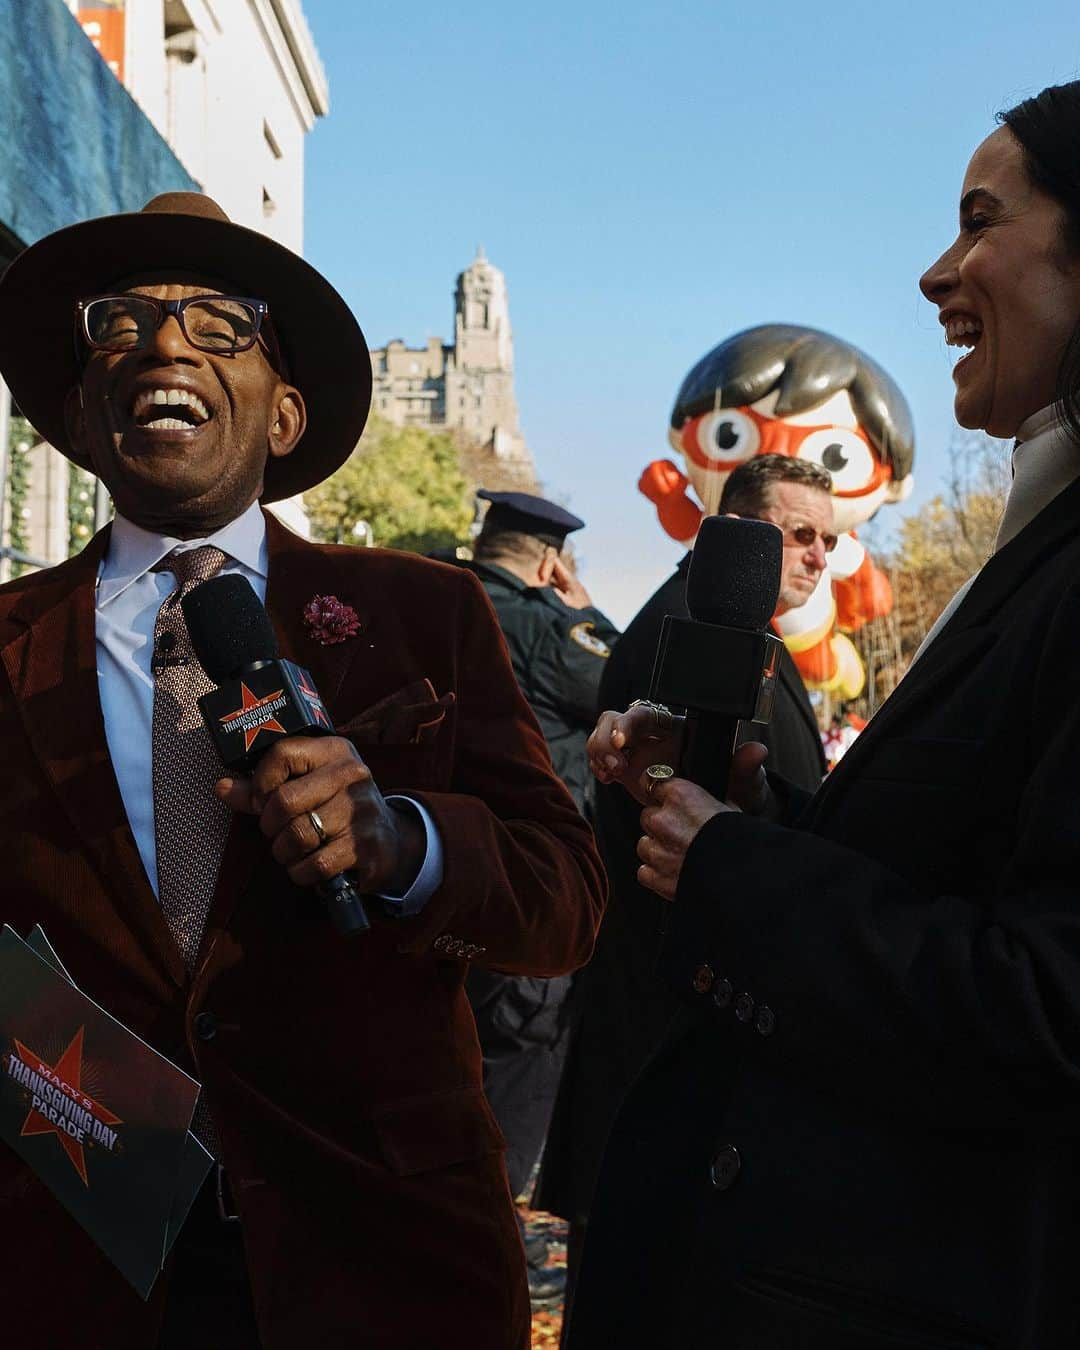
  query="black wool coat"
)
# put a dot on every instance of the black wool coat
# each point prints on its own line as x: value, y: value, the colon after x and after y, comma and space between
x: 621, y: 1007
x: 862, y: 1133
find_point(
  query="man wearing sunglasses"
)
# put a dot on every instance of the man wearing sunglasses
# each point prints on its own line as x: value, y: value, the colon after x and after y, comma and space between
x: 622, y: 1007
x: 359, y: 1196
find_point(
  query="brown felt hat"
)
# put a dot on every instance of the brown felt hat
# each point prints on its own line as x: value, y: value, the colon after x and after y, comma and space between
x: 322, y: 344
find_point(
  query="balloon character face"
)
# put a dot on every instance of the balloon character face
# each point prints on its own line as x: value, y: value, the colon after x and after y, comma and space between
x: 716, y: 442
x: 787, y: 390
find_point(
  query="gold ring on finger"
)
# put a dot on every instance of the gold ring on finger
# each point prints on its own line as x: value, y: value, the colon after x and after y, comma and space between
x: 658, y: 773
x: 318, y: 826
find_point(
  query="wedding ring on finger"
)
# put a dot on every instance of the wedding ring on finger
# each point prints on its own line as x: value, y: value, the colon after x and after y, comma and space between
x: 318, y: 826
x: 658, y: 773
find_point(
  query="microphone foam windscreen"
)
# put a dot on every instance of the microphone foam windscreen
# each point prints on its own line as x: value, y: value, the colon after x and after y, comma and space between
x: 734, y: 577
x: 228, y: 627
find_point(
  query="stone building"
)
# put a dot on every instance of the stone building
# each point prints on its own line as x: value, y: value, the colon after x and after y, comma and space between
x: 217, y: 95
x: 466, y: 386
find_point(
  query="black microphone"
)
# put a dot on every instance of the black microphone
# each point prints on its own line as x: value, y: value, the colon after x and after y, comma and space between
x: 720, y: 664
x: 260, y: 698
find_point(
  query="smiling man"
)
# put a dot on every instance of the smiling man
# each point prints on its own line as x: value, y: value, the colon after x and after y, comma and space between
x: 359, y: 1196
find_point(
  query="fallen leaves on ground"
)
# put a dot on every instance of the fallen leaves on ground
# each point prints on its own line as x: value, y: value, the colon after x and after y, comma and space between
x: 547, y: 1322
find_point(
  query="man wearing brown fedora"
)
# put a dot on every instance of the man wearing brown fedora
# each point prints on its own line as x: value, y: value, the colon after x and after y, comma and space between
x: 202, y: 370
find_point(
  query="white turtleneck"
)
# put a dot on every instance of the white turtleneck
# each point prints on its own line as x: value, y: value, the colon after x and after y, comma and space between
x: 1045, y: 461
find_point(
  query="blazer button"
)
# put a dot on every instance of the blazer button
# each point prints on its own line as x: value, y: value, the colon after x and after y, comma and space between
x: 764, y: 1021
x: 723, y: 992
x: 744, y: 1007
x: 724, y: 1167
x: 703, y: 979
x: 205, y: 1025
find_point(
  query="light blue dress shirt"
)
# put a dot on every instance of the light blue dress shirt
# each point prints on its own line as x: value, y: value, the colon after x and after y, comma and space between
x: 129, y: 596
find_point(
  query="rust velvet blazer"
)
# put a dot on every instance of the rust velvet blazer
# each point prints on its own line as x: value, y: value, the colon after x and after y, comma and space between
x: 344, y: 1076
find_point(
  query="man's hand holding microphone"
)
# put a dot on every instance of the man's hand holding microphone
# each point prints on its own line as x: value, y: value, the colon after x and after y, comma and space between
x: 622, y: 749
x: 722, y: 667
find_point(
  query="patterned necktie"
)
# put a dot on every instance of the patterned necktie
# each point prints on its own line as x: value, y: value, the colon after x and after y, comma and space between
x: 190, y: 824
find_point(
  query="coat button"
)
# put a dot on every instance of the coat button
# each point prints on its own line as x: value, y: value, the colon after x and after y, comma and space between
x: 744, y: 1007
x: 703, y: 979
x: 724, y: 1167
x: 723, y: 992
x: 765, y: 1021
x: 205, y: 1025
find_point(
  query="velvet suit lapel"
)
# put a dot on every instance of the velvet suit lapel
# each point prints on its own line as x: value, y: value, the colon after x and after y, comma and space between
x: 965, y: 638
x: 51, y: 663
x: 296, y: 571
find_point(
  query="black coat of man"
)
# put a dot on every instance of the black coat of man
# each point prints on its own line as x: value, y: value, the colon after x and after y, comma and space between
x: 621, y: 1006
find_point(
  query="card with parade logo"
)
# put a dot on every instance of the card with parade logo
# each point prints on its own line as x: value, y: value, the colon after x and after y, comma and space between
x: 101, y: 1118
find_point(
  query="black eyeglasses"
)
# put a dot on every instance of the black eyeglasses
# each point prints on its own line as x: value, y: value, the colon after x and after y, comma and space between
x: 804, y: 535
x: 210, y: 323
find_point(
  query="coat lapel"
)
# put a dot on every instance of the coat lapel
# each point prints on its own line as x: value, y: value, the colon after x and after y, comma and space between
x: 296, y: 571
x: 50, y: 660
x: 792, y: 681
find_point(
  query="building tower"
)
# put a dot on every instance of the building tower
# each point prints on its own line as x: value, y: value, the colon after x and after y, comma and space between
x: 465, y: 386
x: 480, y: 371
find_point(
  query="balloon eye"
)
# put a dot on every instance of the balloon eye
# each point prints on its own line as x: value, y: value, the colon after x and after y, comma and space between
x: 834, y: 458
x: 727, y: 436
x: 846, y: 456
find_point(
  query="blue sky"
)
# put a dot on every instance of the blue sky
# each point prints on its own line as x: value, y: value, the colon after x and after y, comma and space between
x: 651, y: 184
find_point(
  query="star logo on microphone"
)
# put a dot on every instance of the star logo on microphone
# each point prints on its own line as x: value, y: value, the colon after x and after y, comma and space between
x: 255, y: 715
x: 314, y: 702
x: 58, y: 1104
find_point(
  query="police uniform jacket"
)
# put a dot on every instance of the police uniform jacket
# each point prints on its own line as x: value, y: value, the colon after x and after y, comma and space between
x: 558, y: 655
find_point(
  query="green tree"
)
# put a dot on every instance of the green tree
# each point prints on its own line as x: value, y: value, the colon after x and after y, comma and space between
x: 20, y: 443
x: 405, y: 482
x: 80, y: 508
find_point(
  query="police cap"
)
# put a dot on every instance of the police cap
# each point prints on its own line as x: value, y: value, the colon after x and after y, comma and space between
x: 527, y: 514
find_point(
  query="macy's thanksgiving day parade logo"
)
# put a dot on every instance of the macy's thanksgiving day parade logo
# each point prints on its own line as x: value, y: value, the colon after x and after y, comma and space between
x: 58, y: 1104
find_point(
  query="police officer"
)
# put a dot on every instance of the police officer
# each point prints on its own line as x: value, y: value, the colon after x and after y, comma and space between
x: 559, y: 643
x: 558, y: 640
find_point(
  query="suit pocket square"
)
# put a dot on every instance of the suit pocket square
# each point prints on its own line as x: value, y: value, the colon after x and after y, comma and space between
x: 410, y: 716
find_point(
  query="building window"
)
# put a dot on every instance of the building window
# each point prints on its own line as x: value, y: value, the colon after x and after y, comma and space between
x: 271, y: 141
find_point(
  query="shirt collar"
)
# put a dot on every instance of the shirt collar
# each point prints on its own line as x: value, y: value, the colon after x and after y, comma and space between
x: 1045, y: 462
x: 503, y: 574
x: 1038, y: 422
x: 133, y: 551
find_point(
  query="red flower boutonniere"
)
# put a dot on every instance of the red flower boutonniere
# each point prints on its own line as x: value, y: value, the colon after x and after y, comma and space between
x: 329, y: 621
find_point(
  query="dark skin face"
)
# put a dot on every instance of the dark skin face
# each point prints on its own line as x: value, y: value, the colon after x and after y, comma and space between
x: 186, y: 481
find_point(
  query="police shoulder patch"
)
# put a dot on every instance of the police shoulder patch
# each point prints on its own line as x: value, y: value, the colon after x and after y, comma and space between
x: 584, y: 636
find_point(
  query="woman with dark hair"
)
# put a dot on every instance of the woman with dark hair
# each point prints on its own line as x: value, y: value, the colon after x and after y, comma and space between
x: 863, y: 1130
x: 1048, y: 129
